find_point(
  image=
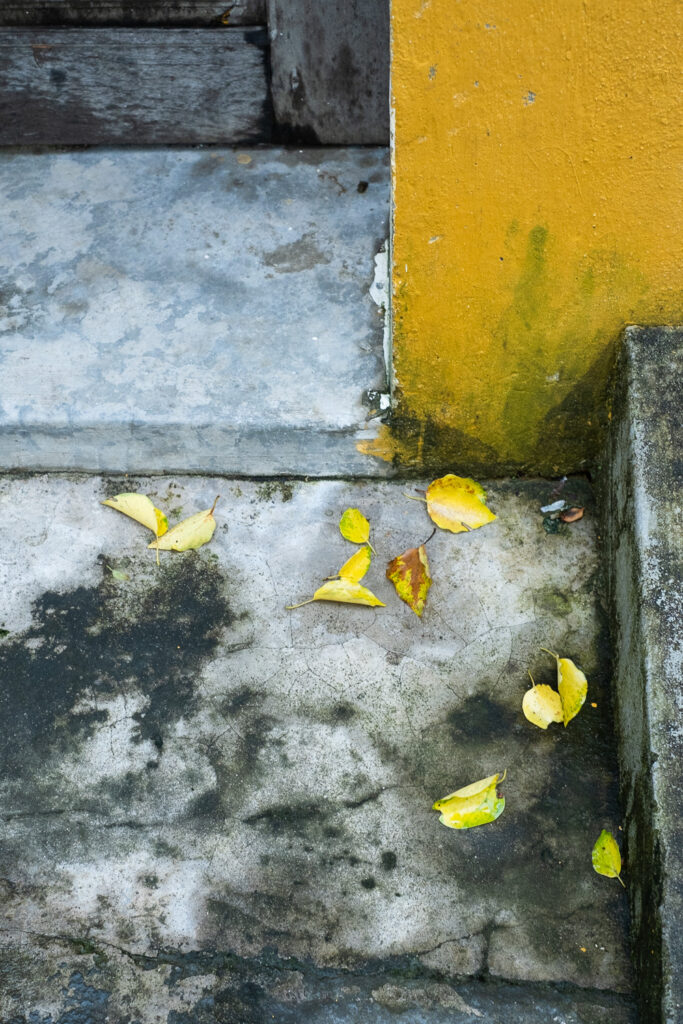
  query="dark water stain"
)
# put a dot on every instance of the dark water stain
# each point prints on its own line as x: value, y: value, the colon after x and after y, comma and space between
x: 87, y: 643
x: 293, y: 257
x: 389, y: 860
x: 290, y: 818
x: 480, y: 718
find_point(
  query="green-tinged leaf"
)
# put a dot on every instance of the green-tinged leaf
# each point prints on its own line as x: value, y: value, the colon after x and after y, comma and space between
x: 606, y: 856
x: 354, y: 526
x: 571, y: 684
x: 409, y: 573
x: 193, y: 532
x: 140, y: 508
x: 119, y: 574
x: 573, y: 687
x: 355, y: 568
x: 473, y: 805
x: 345, y: 591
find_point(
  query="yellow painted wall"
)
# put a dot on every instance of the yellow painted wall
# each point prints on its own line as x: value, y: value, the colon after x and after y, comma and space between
x: 537, y: 210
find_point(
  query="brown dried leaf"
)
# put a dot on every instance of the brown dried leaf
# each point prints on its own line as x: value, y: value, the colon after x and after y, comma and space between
x: 409, y: 573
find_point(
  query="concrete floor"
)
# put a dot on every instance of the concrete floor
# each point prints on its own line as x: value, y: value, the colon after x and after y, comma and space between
x: 219, y: 810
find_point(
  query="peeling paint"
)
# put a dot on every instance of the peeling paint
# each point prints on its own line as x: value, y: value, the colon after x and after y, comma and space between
x: 380, y: 293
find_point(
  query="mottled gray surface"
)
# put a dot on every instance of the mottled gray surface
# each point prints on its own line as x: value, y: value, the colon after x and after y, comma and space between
x: 132, y: 12
x: 221, y: 809
x: 330, y: 64
x: 644, y: 522
x: 133, y: 87
x: 190, y: 310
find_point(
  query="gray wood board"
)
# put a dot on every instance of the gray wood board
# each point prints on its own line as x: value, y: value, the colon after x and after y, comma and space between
x: 188, y: 13
x: 330, y: 67
x: 133, y: 86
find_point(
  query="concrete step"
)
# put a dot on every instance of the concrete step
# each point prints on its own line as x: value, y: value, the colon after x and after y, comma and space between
x: 644, y: 541
x: 191, y: 310
x: 219, y: 810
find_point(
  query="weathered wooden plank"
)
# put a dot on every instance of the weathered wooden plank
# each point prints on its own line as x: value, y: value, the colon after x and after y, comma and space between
x: 330, y: 70
x: 131, y: 13
x: 133, y: 86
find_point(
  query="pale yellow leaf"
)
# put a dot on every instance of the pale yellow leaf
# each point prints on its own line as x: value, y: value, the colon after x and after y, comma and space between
x: 355, y: 568
x: 193, y: 532
x: 140, y: 508
x: 476, y: 804
x: 345, y: 591
x: 542, y: 705
x: 458, y: 504
x: 354, y: 526
x: 606, y: 856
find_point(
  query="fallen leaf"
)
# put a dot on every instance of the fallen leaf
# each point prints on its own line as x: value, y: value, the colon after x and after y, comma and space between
x: 354, y: 526
x: 118, y: 574
x: 606, y: 856
x: 571, y: 684
x: 458, y: 504
x: 409, y: 573
x: 140, y: 508
x: 473, y: 805
x: 572, y: 515
x: 343, y: 590
x: 542, y: 705
x: 191, y: 533
x: 355, y: 568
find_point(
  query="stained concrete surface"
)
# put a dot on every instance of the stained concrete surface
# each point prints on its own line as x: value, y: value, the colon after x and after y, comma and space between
x: 143, y: 295
x: 219, y: 810
x: 644, y: 527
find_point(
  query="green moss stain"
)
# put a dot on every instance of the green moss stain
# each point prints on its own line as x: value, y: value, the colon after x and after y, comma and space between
x: 269, y: 490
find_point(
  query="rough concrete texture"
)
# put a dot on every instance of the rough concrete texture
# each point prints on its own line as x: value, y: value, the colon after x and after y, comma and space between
x: 644, y: 524
x: 216, y: 809
x: 143, y: 294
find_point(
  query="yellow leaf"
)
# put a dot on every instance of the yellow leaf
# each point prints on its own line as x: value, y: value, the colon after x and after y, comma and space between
x: 458, y: 504
x: 191, y: 533
x: 542, y: 705
x: 140, y: 508
x: 345, y: 591
x: 355, y: 568
x: 409, y: 573
x: 606, y: 856
x: 476, y: 804
x: 572, y: 685
x: 354, y: 526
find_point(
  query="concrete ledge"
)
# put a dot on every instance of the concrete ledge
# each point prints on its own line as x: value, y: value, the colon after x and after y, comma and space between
x: 645, y: 556
x: 203, y: 311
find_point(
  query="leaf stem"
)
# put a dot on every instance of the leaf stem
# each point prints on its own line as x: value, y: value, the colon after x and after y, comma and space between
x: 622, y: 881
x: 429, y: 537
x: 531, y: 678
x: 556, y: 656
x: 411, y: 497
x: 289, y: 607
x: 214, y: 505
